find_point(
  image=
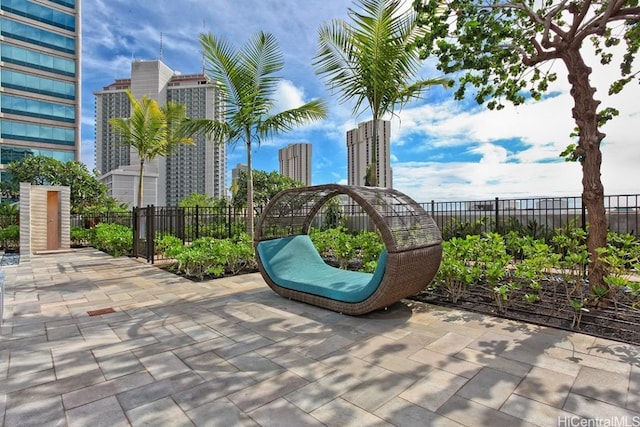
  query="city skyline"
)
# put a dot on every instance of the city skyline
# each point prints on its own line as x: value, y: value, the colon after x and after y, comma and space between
x: 197, y: 168
x: 440, y: 149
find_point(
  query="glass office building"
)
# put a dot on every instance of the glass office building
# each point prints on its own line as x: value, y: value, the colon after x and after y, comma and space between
x: 40, y: 79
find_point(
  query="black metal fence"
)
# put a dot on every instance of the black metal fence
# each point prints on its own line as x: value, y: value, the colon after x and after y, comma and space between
x: 538, y: 217
x: 535, y: 215
x: 152, y: 223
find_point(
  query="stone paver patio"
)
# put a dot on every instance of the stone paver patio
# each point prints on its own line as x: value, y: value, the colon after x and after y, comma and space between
x: 230, y: 352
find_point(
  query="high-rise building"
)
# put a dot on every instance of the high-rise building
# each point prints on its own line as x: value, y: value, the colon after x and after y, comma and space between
x: 235, y: 172
x: 40, y: 80
x: 198, y: 168
x: 295, y: 162
x: 359, y: 151
x: 235, y: 176
x: 111, y: 102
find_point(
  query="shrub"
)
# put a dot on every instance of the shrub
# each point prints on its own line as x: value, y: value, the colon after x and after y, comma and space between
x: 9, y: 214
x: 10, y: 237
x: 621, y: 258
x: 199, y: 259
x: 457, y: 273
x: 456, y: 228
x: 368, y: 246
x: 238, y: 253
x: 475, y: 260
x: 359, y: 251
x: 209, y: 256
x: 169, y: 246
x: 218, y: 230
x: 114, y: 239
x: 333, y: 214
x: 81, y: 236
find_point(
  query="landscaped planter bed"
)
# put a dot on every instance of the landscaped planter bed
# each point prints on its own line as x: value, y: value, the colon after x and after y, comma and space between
x: 597, y: 321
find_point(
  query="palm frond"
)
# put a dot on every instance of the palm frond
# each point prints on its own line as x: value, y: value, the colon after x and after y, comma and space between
x: 177, y: 132
x: 145, y: 130
x: 261, y: 59
x: 218, y: 131
x: 369, y: 59
x: 334, y: 58
x: 288, y: 119
x: 222, y: 66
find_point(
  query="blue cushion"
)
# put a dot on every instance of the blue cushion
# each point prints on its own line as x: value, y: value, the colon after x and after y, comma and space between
x: 294, y: 263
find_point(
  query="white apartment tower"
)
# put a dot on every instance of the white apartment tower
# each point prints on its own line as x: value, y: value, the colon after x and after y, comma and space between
x: 359, y: 151
x: 198, y: 168
x: 295, y: 162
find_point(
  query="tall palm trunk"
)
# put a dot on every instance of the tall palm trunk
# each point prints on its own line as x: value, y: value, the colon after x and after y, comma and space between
x: 249, y: 188
x: 140, y: 186
x: 373, y: 167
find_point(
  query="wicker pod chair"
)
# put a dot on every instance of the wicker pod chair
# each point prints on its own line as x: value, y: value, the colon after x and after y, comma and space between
x: 412, y: 239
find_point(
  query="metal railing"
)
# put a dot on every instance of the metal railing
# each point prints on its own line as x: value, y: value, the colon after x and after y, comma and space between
x: 538, y: 217
x: 188, y: 224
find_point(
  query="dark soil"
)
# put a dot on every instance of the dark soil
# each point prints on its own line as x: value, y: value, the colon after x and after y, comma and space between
x: 551, y: 310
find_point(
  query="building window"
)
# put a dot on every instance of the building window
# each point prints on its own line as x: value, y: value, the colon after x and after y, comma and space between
x: 40, y: 13
x: 34, y: 108
x: 38, y: 60
x: 68, y: 3
x: 37, y: 36
x: 40, y: 85
x: 10, y: 154
x: 37, y: 133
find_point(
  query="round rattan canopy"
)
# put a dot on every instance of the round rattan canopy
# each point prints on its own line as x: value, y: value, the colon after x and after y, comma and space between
x: 403, y: 224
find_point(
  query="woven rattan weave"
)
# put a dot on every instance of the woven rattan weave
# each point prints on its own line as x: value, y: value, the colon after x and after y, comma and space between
x: 411, y: 236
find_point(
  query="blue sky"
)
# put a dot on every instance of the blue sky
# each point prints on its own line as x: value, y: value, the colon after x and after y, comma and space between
x: 441, y: 149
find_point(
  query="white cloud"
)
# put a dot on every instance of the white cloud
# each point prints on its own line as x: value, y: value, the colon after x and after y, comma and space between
x: 288, y: 96
x: 491, y: 154
x: 470, y: 181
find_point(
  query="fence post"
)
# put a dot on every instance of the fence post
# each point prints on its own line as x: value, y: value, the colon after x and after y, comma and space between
x: 229, y: 221
x: 197, y: 224
x: 180, y: 220
x: 433, y: 208
x: 135, y: 225
x: 497, y: 226
x: 151, y: 233
x: 584, y: 215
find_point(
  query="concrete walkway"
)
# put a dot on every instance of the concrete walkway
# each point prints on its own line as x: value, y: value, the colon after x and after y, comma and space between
x: 230, y: 352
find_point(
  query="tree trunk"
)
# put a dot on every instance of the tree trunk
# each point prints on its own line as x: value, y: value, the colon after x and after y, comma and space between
x: 373, y: 166
x: 140, y: 187
x: 586, y: 117
x: 249, y: 191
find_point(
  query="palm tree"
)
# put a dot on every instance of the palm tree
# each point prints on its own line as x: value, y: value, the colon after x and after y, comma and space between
x: 372, y: 60
x: 152, y: 130
x: 247, y: 80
